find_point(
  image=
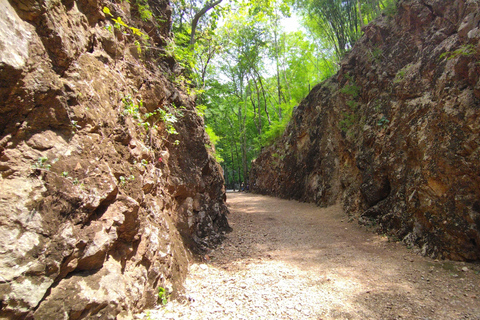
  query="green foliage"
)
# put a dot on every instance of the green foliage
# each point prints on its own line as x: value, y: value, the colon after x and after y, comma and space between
x: 335, y: 20
x: 257, y: 74
x: 124, y: 180
x: 248, y: 74
x: 383, y: 122
x: 399, y: 76
x: 200, y: 109
x: 138, y: 46
x: 339, y: 22
x: 464, y: 50
x: 353, y: 105
x: 352, y: 90
x: 148, y: 120
x: 402, y: 73
x: 167, y: 117
x: 214, y: 139
x: 131, y: 106
x: 275, y: 131
x: 178, y: 48
x: 144, y: 10
x: 347, y: 122
x: 163, y: 295
x: 43, y: 163
x: 120, y: 24
x: 376, y: 54
x: 390, y: 8
x: 106, y: 10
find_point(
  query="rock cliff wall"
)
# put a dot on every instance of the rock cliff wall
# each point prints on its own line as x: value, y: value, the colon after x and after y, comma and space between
x: 395, y: 135
x: 98, y: 195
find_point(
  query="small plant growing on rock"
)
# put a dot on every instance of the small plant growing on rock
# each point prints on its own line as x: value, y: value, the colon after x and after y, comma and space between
x: 131, y: 106
x: 42, y: 163
x: 163, y: 295
x: 119, y: 24
x: 464, y: 50
x: 149, y: 120
x: 138, y: 46
x: 176, y: 48
x: 347, y: 122
x: 400, y: 76
x: 144, y: 10
x: 169, y: 118
x: 383, y: 122
x: 124, y: 180
x: 200, y: 109
x: 351, y: 89
x: 74, y: 125
x: 352, y: 104
x: 376, y: 54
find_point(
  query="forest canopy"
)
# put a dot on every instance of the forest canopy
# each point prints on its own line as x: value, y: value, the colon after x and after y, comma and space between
x: 248, y: 72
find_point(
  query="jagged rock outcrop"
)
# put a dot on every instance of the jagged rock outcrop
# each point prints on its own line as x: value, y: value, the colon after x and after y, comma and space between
x: 395, y: 134
x: 98, y: 195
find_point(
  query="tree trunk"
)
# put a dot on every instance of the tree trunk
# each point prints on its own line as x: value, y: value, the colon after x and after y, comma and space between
x: 198, y: 15
x: 360, y: 14
x: 263, y: 94
x: 233, y: 166
x: 259, y: 125
x: 279, y: 86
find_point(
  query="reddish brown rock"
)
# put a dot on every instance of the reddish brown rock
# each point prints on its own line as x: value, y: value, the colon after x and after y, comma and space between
x: 92, y: 218
x: 395, y: 134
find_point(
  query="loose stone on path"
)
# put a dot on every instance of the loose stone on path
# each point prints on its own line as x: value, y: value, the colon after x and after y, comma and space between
x: 308, y: 265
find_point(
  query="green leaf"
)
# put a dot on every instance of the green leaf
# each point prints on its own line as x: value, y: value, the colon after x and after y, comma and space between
x: 107, y: 11
x: 136, y: 31
x: 120, y: 22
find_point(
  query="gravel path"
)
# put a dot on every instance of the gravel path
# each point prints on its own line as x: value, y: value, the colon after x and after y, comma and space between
x: 291, y: 260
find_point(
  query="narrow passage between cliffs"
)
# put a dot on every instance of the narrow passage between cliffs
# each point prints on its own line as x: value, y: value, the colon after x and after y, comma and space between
x: 291, y: 260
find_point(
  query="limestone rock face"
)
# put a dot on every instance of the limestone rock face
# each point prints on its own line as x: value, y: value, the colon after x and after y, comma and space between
x: 100, y: 201
x: 395, y: 135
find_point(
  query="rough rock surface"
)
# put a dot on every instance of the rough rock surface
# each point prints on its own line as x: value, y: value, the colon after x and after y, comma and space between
x: 395, y: 134
x: 97, y: 200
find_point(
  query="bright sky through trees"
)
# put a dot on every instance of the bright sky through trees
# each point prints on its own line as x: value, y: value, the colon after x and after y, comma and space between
x: 291, y: 24
x: 251, y: 62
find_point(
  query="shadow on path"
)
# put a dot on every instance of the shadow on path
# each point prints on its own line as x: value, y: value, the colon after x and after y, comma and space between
x: 362, y: 275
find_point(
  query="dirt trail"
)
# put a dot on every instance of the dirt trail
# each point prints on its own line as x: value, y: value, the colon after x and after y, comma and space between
x: 291, y: 260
